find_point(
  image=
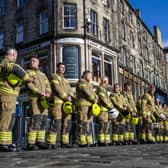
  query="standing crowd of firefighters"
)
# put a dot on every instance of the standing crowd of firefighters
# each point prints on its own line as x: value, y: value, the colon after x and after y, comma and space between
x: 117, y: 114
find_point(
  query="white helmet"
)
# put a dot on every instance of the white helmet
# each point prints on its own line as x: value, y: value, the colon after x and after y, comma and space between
x: 113, y: 113
x: 163, y: 116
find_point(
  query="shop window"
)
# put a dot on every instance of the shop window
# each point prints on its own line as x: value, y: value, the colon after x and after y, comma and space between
x: 71, y: 61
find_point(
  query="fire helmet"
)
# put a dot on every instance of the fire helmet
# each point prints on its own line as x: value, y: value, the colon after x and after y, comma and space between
x: 113, y: 113
x: 67, y: 107
x: 14, y: 80
x: 95, y: 110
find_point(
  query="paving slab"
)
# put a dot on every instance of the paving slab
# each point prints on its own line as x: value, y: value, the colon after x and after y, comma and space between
x: 130, y: 156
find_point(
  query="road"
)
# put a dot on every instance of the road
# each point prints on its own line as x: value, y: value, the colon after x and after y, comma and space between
x: 132, y: 156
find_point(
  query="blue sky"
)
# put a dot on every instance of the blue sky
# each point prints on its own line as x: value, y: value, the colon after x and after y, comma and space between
x: 154, y: 12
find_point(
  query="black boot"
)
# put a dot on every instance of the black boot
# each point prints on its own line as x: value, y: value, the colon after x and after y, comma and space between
x: 8, y: 148
x: 42, y: 145
x: 32, y: 147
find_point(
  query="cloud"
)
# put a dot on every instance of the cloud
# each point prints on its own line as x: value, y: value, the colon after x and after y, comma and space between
x: 165, y: 43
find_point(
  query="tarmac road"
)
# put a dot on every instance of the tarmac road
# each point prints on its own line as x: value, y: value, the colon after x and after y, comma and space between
x: 130, y: 156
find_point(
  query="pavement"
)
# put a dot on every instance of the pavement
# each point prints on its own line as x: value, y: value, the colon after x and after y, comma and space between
x: 128, y: 156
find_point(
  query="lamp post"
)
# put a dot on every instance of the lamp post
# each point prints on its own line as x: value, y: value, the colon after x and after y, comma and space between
x: 86, y: 24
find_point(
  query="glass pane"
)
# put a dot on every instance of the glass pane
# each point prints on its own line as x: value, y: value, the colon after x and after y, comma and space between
x: 73, y: 22
x: 66, y: 22
x: 108, y: 71
x: 71, y: 61
x: 73, y: 10
x: 70, y: 16
x: 96, y: 68
x: 66, y: 10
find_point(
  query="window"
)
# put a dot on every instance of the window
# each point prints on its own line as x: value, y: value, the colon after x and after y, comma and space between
x: 94, y: 26
x: 132, y: 39
x: 44, y: 65
x: 106, y: 27
x: 70, y: 16
x: 96, y: 68
x: 141, y: 72
x: 131, y: 62
x: 19, y: 32
x: 20, y: 3
x: 122, y: 7
x: 130, y: 16
x: 108, y: 69
x: 71, y: 61
x: 140, y: 45
x: 44, y: 22
x: 1, y: 40
x: 138, y: 27
x: 128, y: 61
x: 123, y: 56
x: 145, y: 35
x: 146, y: 55
x: 123, y: 30
x: 2, y: 7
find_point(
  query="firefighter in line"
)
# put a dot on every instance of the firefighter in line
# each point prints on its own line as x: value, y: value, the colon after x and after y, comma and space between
x: 86, y: 97
x: 165, y: 123
x: 118, y: 125
x: 12, y: 77
x: 129, y: 132
x: 159, y: 115
x: 105, y: 103
x: 38, y: 89
x: 147, y: 113
x: 60, y: 118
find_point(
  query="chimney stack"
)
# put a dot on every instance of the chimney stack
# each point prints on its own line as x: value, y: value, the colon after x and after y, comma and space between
x: 158, y: 35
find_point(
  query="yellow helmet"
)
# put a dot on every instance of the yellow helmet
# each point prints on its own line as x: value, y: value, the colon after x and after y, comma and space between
x: 67, y: 107
x: 134, y: 121
x: 95, y: 110
x: 14, y: 79
x: 44, y: 102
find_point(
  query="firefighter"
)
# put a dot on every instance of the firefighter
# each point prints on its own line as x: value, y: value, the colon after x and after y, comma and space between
x: 148, y: 108
x: 40, y: 87
x: 165, y: 135
x: 105, y: 103
x: 11, y: 78
x: 85, y: 99
x: 129, y: 132
x: 158, y: 113
x: 140, y: 123
x: 118, y: 125
x: 60, y: 118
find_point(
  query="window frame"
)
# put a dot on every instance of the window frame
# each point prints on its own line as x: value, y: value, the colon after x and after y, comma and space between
x: 44, y: 21
x: 94, y: 22
x: 79, y: 55
x: 99, y: 73
x: 71, y: 17
x: 2, y: 8
x: 19, y: 31
x: 106, y: 30
x: 110, y: 62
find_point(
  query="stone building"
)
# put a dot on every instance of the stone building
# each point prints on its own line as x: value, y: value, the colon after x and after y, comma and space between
x: 141, y: 58
x: 107, y: 37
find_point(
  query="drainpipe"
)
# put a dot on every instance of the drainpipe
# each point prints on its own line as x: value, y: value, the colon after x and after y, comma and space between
x: 84, y: 31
